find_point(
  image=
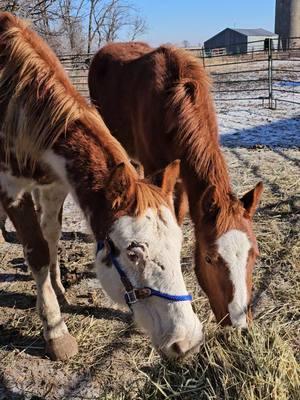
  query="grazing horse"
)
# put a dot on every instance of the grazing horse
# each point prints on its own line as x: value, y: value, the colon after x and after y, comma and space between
x: 157, y: 103
x: 52, y: 139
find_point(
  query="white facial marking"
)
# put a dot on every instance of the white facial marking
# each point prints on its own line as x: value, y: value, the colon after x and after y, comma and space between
x: 234, y: 247
x: 157, y: 265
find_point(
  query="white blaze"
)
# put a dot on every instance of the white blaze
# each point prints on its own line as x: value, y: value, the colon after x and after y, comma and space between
x: 234, y: 247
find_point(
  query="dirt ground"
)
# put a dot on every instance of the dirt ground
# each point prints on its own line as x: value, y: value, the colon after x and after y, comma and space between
x: 115, y: 360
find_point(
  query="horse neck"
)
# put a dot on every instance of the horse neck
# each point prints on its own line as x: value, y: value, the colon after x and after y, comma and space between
x: 209, y: 169
x: 84, y: 161
x: 191, y: 118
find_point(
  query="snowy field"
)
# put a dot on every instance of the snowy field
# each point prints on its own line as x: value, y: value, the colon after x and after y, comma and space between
x: 244, y: 125
x: 249, y: 123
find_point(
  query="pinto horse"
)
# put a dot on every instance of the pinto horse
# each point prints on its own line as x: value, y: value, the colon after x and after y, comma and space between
x: 52, y: 139
x: 157, y: 103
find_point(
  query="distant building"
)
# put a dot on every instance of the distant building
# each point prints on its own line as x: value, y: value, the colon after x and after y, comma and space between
x: 234, y: 40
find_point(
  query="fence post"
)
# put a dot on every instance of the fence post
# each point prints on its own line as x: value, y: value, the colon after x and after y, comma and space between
x: 270, y: 73
x: 203, y: 56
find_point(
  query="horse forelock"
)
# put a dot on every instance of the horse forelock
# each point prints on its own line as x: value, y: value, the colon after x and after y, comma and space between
x: 148, y: 196
x: 228, y: 216
x: 222, y: 217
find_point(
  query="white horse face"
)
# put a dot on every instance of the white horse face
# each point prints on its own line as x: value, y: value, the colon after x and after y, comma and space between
x: 148, y: 249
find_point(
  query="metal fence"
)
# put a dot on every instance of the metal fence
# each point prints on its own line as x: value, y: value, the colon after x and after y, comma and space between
x: 262, y: 73
x: 265, y: 74
x: 77, y: 66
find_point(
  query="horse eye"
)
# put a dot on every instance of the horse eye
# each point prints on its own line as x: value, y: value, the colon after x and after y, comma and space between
x: 208, y: 259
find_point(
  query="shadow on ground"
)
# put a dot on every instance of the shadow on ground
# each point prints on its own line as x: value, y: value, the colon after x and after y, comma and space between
x: 282, y: 133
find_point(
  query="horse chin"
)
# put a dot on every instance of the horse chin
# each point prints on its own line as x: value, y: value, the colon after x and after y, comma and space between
x: 171, y: 342
x: 240, y: 323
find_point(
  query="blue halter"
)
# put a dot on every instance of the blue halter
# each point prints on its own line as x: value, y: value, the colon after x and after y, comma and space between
x: 132, y: 295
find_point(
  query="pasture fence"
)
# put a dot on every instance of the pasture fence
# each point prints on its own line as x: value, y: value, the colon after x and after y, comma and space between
x: 262, y: 72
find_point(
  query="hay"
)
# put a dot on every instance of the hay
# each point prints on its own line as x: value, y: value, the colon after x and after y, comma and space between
x: 117, y: 362
x: 232, y: 366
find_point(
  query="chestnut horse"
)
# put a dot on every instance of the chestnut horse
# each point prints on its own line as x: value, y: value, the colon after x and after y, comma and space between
x: 52, y: 139
x: 157, y: 103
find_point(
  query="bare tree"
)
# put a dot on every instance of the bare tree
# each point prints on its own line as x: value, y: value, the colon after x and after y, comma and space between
x: 108, y: 18
x: 42, y: 13
x: 44, y: 17
x: 139, y: 27
x: 11, y: 6
x: 72, y: 25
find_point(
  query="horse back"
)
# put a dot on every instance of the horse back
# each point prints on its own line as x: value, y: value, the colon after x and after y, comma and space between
x: 144, y: 95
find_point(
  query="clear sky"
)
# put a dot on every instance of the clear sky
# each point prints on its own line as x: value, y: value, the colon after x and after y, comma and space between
x: 197, y: 20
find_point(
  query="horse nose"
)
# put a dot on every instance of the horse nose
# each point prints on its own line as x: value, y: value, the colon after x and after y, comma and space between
x: 185, y: 340
x: 181, y: 348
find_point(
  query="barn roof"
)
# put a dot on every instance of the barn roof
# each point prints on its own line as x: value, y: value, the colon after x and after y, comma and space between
x: 254, y: 32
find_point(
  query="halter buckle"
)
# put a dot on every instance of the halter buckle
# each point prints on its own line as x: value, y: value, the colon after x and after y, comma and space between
x: 130, y: 297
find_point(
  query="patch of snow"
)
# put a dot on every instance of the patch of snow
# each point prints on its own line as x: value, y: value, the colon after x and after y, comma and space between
x: 252, y: 124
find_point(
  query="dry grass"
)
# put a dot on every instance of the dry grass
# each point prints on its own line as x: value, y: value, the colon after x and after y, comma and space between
x: 233, y: 366
x: 116, y: 361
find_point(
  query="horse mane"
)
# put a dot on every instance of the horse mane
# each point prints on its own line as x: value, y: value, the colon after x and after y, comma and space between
x: 41, y: 103
x: 191, y: 116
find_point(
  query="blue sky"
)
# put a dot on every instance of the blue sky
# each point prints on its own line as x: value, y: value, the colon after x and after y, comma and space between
x: 197, y: 20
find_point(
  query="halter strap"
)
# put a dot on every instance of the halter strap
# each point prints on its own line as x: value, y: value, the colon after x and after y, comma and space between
x: 132, y: 294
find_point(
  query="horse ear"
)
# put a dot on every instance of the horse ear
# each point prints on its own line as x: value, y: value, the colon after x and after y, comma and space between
x: 251, y: 199
x: 169, y: 178
x: 120, y: 187
x: 166, y: 179
x: 139, y: 168
x: 208, y: 206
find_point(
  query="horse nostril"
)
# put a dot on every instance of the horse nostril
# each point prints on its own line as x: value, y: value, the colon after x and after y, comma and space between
x: 180, y: 348
x: 244, y: 330
x: 176, y: 348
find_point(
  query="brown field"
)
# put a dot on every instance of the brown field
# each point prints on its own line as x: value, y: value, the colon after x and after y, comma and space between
x: 116, y: 361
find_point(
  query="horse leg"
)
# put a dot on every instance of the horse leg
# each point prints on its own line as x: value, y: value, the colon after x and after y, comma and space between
x: 2, y: 223
x: 181, y: 204
x: 51, y: 199
x: 37, y: 203
x: 60, y: 345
